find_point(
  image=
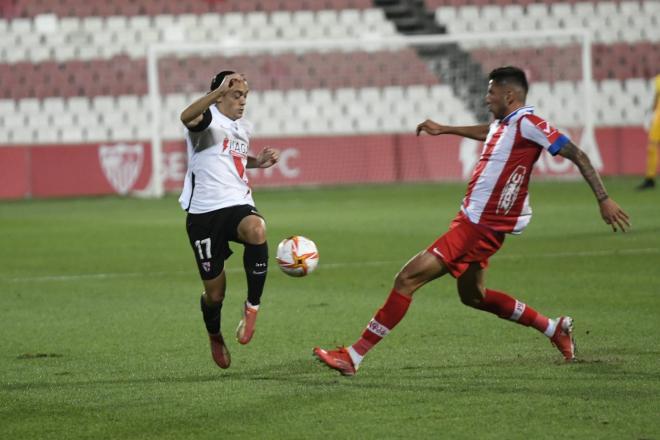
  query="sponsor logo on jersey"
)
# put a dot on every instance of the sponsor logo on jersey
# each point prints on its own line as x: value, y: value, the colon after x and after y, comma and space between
x: 121, y: 165
x: 510, y: 190
x: 235, y: 147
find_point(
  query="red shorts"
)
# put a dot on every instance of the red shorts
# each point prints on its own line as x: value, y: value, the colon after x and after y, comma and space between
x: 466, y: 243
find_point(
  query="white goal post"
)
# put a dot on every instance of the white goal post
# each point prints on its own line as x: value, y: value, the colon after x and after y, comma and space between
x: 579, y: 39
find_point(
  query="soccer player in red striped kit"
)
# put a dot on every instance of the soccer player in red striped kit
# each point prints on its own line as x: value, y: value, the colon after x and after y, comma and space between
x: 496, y: 204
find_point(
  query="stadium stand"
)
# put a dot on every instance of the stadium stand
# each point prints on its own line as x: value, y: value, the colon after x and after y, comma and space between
x: 625, y: 21
x: 81, y: 64
x: 49, y: 57
x: 83, y: 8
x: 626, y: 50
x: 70, y: 49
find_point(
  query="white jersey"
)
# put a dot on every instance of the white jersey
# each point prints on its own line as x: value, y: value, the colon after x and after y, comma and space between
x: 217, y: 158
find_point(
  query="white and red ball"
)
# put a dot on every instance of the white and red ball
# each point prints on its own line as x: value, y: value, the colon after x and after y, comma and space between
x: 297, y: 256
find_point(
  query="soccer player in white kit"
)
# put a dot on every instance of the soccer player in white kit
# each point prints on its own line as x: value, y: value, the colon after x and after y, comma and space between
x: 218, y: 199
x: 496, y: 203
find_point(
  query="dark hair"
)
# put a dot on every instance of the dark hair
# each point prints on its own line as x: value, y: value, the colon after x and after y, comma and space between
x: 510, y: 75
x: 217, y: 80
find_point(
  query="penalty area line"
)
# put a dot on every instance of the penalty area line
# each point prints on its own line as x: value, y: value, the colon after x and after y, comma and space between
x: 102, y: 276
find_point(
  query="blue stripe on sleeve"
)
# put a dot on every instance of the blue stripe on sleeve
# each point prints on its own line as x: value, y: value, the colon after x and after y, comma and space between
x: 558, y: 144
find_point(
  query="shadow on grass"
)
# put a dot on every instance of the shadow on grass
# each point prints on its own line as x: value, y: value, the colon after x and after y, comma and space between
x: 514, y: 374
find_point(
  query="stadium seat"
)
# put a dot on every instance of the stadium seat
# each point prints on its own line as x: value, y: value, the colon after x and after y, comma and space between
x: 369, y: 95
x: 29, y: 106
x: 584, y: 9
x: 341, y: 126
x: 7, y: 106
x: 491, y: 13
x: 53, y: 105
x: 78, y: 104
x: 266, y: 126
x: 95, y: 133
x: 13, y: 120
x: 70, y: 134
x: 606, y: 9
x: 446, y: 15
x: 21, y: 26
x: 125, y: 133
x: 21, y: 135
x: 316, y: 126
x: 292, y: 126
x: 417, y: 93
x: 537, y: 10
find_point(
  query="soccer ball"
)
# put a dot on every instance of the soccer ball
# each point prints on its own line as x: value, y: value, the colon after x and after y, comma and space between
x: 297, y: 256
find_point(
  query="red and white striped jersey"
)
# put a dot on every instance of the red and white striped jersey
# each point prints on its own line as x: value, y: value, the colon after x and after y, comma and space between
x: 217, y: 160
x: 497, y: 195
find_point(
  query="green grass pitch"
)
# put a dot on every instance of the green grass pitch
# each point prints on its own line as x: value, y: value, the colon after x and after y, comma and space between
x: 102, y: 336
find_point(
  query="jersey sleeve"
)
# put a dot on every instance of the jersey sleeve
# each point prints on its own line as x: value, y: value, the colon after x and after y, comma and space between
x: 201, y: 137
x: 539, y: 131
x: 204, y: 123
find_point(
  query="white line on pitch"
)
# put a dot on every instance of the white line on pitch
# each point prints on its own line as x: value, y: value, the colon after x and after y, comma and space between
x: 101, y: 276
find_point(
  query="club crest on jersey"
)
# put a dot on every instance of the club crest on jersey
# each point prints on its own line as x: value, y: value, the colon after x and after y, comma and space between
x: 235, y: 146
x: 510, y: 190
x: 121, y: 165
x: 206, y: 265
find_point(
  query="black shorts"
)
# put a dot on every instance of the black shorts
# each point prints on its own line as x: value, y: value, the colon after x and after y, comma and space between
x: 210, y: 233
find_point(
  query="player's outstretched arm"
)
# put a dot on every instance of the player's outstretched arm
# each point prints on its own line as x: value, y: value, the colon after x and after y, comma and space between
x: 194, y: 113
x: 610, y: 211
x: 265, y: 159
x: 477, y: 132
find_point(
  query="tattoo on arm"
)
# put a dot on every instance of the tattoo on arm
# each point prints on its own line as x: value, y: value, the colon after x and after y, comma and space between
x: 571, y: 152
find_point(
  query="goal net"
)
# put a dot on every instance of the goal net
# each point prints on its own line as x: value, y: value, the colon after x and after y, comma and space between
x: 344, y: 111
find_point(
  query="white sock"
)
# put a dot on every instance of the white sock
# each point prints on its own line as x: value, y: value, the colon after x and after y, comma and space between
x: 247, y: 303
x: 355, y: 357
x: 552, y: 326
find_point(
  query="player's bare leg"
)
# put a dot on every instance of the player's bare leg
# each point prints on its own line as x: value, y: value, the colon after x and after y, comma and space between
x: 471, y: 288
x: 473, y: 293
x: 421, y: 269
x: 211, y: 304
x: 252, y: 232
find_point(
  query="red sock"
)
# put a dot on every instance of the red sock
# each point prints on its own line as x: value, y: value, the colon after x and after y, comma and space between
x: 387, y: 317
x: 510, y: 308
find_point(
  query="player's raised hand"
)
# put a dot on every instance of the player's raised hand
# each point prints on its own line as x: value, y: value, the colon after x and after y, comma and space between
x: 431, y: 127
x: 614, y: 215
x: 229, y: 82
x: 267, y: 157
